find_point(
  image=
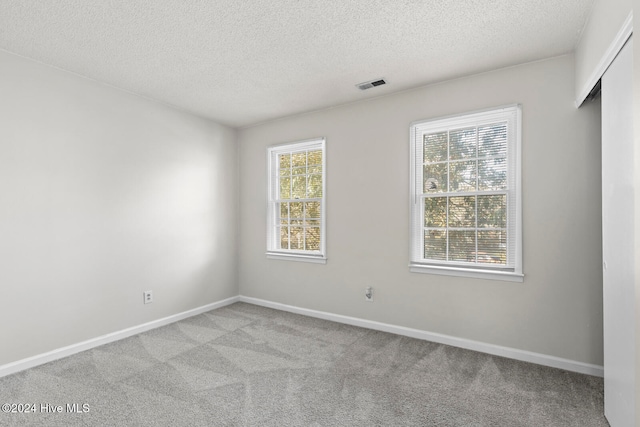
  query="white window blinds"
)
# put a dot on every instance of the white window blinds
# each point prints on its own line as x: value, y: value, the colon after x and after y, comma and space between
x: 296, y: 200
x: 465, y: 192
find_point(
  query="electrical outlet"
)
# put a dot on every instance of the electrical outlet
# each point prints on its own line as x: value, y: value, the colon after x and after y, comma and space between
x: 368, y: 294
x: 148, y: 297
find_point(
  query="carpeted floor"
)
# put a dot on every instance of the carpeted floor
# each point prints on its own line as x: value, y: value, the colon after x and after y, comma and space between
x: 245, y: 365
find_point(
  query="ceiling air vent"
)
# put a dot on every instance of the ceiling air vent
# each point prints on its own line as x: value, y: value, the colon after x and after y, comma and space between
x: 370, y: 84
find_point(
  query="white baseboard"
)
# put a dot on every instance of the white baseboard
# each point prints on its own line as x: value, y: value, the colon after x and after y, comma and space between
x: 512, y: 353
x: 526, y: 356
x: 59, y: 353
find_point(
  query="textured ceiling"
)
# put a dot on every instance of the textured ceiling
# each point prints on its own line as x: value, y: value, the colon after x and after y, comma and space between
x: 244, y: 62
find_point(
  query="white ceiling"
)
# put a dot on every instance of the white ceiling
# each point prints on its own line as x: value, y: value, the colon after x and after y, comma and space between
x: 244, y: 62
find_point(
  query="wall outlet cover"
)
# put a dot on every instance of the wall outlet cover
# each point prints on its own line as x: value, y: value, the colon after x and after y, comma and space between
x: 368, y: 294
x: 148, y: 297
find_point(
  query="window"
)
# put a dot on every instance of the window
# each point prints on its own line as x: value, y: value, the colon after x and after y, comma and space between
x: 296, y: 201
x: 465, y: 195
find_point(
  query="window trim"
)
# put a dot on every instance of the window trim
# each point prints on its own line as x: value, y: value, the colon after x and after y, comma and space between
x: 417, y: 264
x: 272, y: 179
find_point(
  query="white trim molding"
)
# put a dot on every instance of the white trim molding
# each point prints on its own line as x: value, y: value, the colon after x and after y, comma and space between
x: 506, y: 276
x: 496, y: 350
x: 505, y: 262
x: 299, y: 258
x: 41, y: 359
x: 516, y: 354
x: 276, y: 200
x: 609, y: 55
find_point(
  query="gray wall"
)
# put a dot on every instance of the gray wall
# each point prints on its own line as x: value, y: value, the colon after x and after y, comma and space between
x: 103, y: 195
x: 556, y: 311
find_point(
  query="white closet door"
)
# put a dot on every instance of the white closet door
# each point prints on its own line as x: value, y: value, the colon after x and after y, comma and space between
x: 618, y: 240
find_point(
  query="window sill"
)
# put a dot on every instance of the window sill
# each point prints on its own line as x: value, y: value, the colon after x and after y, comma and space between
x: 506, y: 276
x: 297, y: 257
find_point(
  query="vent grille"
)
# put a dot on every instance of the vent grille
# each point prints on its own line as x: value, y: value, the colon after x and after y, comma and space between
x: 370, y: 84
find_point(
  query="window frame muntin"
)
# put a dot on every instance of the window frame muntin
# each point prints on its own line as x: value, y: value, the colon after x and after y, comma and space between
x: 273, y: 182
x: 513, y: 115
